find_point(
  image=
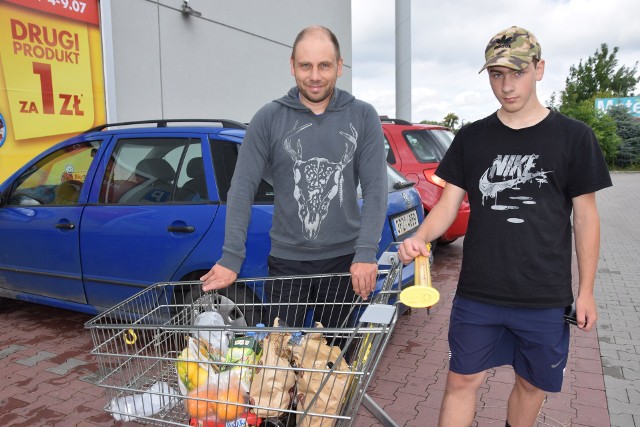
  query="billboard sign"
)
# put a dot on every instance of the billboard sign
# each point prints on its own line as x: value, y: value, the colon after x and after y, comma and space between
x: 51, y: 80
x: 632, y: 103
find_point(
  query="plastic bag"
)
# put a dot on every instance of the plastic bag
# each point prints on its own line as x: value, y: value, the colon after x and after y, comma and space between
x: 218, y: 340
x: 159, y: 396
x: 194, y: 364
x: 222, y: 399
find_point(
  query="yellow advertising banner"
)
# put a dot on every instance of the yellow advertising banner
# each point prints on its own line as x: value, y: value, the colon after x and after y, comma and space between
x: 51, y: 82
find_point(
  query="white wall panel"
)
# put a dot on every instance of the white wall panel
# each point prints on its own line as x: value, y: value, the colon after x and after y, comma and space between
x: 225, y: 64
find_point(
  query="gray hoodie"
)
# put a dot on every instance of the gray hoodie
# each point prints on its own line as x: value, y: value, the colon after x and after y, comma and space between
x: 316, y: 163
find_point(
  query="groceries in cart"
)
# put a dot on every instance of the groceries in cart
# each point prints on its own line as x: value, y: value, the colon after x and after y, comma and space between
x: 222, y: 400
x: 270, y: 388
x: 193, y: 367
x: 234, y: 375
x: 244, y: 352
x: 265, y: 378
x: 319, y: 391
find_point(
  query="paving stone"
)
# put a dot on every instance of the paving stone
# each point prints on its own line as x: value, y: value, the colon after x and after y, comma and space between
x: 590, y: 416
x: 4, y: 352
x: 34, y: 360
x: 622, y: 420
x: 67, y: 366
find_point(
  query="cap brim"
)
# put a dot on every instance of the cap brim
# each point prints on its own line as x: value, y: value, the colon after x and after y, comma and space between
x: 513, y: 62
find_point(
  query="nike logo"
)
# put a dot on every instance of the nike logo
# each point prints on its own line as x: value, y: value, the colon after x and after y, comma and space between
x: 556, y: 365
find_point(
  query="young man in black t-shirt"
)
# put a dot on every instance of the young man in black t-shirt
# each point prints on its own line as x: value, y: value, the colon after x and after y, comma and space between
x: 526, y: 170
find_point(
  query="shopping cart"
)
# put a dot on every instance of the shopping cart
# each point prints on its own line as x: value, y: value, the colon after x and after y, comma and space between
x: 161, y: 365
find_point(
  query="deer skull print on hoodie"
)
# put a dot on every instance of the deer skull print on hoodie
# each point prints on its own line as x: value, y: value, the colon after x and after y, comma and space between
x: 315, y: 164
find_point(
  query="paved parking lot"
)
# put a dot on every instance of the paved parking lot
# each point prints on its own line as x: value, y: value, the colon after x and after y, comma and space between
x: 47, y: 374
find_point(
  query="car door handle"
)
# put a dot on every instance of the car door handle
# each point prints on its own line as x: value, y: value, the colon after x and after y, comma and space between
x: 65, y: 226
x: 181, y: 228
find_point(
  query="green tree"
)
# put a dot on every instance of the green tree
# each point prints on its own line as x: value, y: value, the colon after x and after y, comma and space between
x: 603, y: 125
x: 600, y: 76
x: 450, y: 121
x: 429, y: 122
x: 628, y: 130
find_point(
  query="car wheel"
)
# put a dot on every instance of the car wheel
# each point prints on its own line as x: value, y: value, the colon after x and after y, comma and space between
x: 237, y: 304
x: 240, y: 306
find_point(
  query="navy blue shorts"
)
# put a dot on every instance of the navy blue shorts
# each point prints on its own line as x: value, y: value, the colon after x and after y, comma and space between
x: 535, y: 341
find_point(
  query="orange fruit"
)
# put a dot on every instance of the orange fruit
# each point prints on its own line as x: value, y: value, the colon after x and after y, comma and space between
x: 224, y: 411
x: 201, y: 408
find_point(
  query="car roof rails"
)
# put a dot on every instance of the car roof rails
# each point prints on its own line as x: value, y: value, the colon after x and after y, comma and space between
x: 386, y: 119
x: 162, y: 123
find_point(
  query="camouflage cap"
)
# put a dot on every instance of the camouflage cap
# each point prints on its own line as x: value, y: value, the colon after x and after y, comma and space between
x: 513, y: 48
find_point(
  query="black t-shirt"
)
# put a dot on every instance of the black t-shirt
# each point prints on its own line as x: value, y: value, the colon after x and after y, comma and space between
x: 520, y: 182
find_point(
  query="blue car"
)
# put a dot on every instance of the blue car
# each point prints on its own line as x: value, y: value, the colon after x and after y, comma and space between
x: 96, y: 218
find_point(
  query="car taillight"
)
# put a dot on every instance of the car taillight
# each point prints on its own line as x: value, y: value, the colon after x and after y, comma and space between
x: 434, y: 179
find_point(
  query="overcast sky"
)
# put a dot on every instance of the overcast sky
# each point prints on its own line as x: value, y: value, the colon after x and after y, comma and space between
x: 449, y: 38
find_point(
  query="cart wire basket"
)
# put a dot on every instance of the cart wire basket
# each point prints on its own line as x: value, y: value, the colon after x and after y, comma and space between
x: 301, y: 354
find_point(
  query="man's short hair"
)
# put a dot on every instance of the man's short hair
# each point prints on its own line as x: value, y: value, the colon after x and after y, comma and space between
x: 316, y: 28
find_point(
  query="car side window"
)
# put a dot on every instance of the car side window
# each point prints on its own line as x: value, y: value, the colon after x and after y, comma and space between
x: 391, y: 159
x: 146, y: 170
x: 192, y: 182
x: 225, y: 156
x: 423, y: 145
x: 56, y: 179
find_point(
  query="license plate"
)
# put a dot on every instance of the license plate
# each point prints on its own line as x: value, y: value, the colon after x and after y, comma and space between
x: 405, y: 223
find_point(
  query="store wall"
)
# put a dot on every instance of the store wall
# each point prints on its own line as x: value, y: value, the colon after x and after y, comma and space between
x: 161, y: 63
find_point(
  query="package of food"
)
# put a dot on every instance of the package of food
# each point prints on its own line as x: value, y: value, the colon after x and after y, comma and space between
x: 193, y: 365
x: 243, y: 352
x: 271, y: 383
x: 313, y: 352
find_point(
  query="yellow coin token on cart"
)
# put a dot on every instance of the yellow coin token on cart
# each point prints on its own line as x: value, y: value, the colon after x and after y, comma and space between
x: 130, y: 337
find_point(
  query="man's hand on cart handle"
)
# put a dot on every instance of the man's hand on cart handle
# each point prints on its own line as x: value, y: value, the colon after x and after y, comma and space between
x: 217, y: 278
x: 363, y: 278
x: 411, y: 248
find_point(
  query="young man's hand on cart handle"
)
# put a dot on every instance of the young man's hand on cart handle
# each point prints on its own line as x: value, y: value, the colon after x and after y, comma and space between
x: 411, y: 248
x: 363, y: 278
x: 217, y: 278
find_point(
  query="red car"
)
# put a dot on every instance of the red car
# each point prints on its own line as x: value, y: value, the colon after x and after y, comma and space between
x: 416, y: 150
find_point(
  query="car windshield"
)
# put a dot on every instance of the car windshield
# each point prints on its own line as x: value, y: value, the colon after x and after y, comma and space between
x: 428, y: 145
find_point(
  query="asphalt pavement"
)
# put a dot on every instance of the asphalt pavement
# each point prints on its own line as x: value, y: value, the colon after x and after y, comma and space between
x: 47, y: 375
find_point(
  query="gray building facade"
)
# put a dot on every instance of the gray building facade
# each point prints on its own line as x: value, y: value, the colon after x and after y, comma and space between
x: 225, y: 59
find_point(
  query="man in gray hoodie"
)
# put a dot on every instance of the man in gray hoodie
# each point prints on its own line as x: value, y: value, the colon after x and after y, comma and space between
x: 318, y: 143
